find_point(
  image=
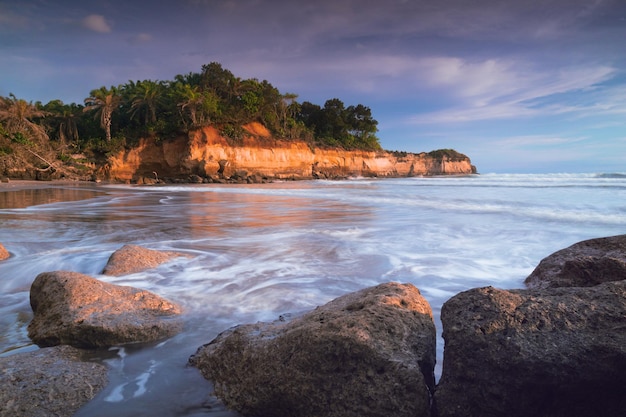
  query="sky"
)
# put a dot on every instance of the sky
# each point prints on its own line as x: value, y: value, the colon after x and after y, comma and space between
x: 524, y: 86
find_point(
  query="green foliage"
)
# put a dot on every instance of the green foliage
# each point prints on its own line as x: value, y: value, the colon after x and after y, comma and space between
x: 18, y: 137
x: 335, y: 125
x: 214, y: 96
x: 234, y: 134
x: 450, y: 153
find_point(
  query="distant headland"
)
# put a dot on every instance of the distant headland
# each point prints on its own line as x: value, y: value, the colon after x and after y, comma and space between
x: 209, y: 126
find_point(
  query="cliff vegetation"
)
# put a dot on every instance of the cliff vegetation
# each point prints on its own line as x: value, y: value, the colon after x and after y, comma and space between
x: 52, y: 140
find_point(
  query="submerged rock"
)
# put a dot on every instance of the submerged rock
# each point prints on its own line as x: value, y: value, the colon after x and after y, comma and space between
x: 369, y: 353
x: 131, y: 258
x: 554, y: 352
x: 4, y: 254
x: 48, y: 382
x: 583, y: 264
x: 78, y: 310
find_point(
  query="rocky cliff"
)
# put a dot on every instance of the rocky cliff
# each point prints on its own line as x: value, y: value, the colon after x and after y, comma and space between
x: 204, y: 153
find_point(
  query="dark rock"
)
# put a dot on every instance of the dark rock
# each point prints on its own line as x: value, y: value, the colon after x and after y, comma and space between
x: 131, y: 258
x: 4, y: 254
x: 553, y: 352
x: 48, y: 382
x: 369, y: 353
x: 583, y: 264
x: 196, y: 179
x: 78, y: 310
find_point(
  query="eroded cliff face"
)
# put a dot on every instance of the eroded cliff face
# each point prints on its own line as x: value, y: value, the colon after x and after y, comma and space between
x: 205, y: 153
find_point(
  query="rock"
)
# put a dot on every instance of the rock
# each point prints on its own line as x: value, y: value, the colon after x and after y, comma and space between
x: 131, y: 258
x: 369, y: 353
x: 78, y: 310
x: 4, y: 254
x: 583, y: 264
x: 196, y: 179
x: 48, y: 382
x: 553, y: 352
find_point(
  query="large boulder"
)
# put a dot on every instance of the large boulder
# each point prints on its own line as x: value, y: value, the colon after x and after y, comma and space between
x: 583, y: 264
x: 132, y: 258
x: 554, y: 352
x: 4, y: 254
x: 368, y: 353
x: 48, y: 382
x: 78, y: 310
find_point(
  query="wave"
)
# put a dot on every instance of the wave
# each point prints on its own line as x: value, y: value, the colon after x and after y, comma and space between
x: 611, y: 175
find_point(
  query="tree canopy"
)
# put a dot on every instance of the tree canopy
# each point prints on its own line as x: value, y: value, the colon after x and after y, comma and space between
x: 214, y: 96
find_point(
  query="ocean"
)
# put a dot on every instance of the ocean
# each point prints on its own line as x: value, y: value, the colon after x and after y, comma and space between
x: 259, y: 251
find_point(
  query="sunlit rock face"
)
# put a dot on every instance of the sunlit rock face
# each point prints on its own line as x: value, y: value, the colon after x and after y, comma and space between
x: 206, y: 153
x: 368, y: 353
x: 549, y: 352
x: 78, y: 310
x: 4, y: 254
x: 132, y: 258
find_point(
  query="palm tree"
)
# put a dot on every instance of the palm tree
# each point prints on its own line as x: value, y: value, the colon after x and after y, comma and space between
x: 200, y: 105
x: 146, y: 98
x: 68, y: 125
x: 104, y: 102
x: 17, y: 114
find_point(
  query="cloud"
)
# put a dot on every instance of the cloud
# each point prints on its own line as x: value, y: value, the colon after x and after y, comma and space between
x: 97, y: 23
x: 140, y: 38
x: 498, y: 89
x: 534, y: 141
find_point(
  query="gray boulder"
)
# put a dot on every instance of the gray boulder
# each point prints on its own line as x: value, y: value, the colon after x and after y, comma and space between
x: 368, y: 353
x: 4, y: 254
x: 583, y: 264
x: 78, y: 310
x: 131, y: 258
x: 48, y: 382
x: 554, y: 352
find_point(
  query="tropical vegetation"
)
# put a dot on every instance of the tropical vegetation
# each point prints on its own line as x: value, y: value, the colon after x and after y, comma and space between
x: 117, y: 116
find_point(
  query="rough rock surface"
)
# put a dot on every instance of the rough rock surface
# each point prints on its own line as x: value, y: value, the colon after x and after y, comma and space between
x: 48, y: 382
x: 583, y: 264
x: 4, y: 254
x: 368, y: 353
x: 553, y: 352
x: 131, y: 258
x: 78, y: 310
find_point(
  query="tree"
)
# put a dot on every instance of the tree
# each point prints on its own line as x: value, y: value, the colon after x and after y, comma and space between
x: 104, y: 102
x: 199, y: 105
x: 146, y: 98
x: 17, y: 114
x: 362, y: 126
x: 64, y: 120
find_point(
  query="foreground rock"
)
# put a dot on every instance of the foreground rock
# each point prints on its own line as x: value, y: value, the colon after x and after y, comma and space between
x: 131, y: 258
x: 583, y: 264
x: 554, y: 352
x: 369, y: 353
x: 78, y: 310
x: 4, y: 254
x: 48, y: 382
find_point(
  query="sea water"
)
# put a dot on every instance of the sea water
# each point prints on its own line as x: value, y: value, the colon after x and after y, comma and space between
x: 259, y: 251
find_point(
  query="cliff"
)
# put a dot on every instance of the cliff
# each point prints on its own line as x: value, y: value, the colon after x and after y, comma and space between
x: 204, y: 153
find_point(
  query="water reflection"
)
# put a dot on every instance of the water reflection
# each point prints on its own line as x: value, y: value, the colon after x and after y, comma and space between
x: 33, y: 195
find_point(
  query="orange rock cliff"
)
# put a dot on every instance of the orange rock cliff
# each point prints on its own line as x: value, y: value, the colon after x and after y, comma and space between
x: 205, y: 153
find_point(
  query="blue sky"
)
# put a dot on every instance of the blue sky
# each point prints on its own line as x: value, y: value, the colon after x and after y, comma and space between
x: 519, y: 86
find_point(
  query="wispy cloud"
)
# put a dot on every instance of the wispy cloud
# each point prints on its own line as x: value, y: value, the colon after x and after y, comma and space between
x: 97, y: 23
x: 140, y: 38
x: 495, y: 89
